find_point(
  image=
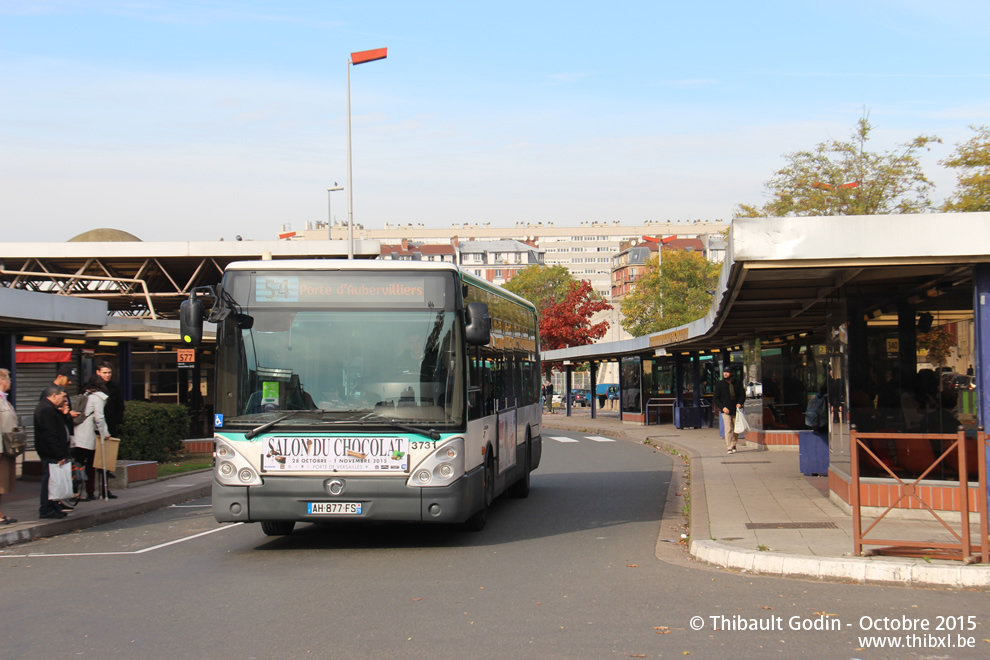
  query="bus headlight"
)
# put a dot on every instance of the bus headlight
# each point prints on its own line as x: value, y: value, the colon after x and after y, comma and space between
x: 442, y: 467
x: 232, y: 468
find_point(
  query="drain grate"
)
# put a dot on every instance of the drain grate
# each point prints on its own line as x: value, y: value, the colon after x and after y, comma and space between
x: 743, y: 462
x: 792, y: 525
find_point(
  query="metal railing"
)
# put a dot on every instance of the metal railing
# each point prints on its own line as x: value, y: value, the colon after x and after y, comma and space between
x: 962, y: 549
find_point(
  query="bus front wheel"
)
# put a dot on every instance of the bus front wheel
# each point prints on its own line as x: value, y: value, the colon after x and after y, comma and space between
x: 476, y: 522
x: 277, y: 527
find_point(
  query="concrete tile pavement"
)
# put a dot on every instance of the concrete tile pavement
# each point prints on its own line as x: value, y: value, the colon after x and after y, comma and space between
x: 731, y: 494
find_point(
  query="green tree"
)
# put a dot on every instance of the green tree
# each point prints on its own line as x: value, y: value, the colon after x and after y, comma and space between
x: 541, y: 285
x: 843, y: 178
x: 672, y: 292
x: 971, y: 160
x: 938, y: 343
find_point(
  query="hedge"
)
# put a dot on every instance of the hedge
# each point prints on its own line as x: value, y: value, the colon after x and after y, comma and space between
x: 152, y: 431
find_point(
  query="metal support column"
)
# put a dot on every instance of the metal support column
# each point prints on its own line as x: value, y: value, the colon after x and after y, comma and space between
x: 124, y: 366
x: 593, y: 395
x: 981, y: 353
x: 568, y: 370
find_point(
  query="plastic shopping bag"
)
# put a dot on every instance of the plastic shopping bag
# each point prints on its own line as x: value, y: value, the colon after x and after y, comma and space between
x: 60, y: 481
x: 741, y: 426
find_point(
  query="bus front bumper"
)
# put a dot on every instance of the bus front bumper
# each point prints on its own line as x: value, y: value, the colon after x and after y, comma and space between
x: 382, y: 499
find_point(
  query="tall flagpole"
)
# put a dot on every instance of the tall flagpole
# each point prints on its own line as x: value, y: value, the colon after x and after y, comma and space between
x: 350, y: 183
x: 359, y: 57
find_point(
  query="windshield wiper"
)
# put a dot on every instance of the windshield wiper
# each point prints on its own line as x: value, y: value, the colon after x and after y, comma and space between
x: 264, y: 427
x: 432, y: 434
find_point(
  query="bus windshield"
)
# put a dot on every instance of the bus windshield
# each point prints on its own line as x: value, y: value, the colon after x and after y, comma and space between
x: 355, y: 365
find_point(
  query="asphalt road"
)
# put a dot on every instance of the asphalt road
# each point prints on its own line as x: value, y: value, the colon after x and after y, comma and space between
x: 571, y: 572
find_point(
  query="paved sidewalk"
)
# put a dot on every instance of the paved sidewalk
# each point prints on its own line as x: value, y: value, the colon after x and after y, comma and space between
x: 732, y: 494
x: 23, y: 506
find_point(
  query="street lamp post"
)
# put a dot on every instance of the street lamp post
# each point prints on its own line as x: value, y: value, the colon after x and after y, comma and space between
x: 359, y: 57
x: 330, y: 191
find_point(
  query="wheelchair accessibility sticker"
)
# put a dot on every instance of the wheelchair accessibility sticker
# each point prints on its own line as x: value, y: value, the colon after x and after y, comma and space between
x: 218, y: 421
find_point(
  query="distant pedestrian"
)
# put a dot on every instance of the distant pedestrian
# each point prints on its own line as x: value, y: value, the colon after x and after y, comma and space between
x: 51, y: 441
x: 728, y: 399
x: 548, y: 396
x: 8, y: 464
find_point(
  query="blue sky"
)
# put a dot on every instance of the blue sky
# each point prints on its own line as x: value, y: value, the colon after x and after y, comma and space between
x: 183, y: 120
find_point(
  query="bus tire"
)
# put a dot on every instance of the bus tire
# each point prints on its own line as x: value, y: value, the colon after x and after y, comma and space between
x: 277, y: 527
x: 520, y: 489
x: 477, y: 521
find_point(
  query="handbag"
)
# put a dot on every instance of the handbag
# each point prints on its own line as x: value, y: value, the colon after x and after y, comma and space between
x: 741, y: 425
x: 78, y: 473
x: 60, y: 481
x: 14, y: 442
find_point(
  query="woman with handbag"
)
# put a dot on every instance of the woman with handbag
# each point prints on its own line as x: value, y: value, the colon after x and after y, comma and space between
x: 8, y: 464
x: 87, y: 434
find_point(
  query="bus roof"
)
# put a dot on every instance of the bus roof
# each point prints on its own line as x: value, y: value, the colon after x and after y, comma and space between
x: 340, y: 264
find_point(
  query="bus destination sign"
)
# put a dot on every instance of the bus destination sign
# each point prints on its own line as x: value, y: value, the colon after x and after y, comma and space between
x: 321, y: 289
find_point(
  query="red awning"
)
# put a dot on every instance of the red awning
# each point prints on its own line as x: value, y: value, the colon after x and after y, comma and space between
x: 39, y: 354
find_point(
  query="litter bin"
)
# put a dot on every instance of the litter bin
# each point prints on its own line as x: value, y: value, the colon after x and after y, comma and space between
x: 688, y: 417
x: 814, y: 456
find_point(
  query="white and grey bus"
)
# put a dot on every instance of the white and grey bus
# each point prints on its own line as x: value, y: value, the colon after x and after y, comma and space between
x: 368, y: 390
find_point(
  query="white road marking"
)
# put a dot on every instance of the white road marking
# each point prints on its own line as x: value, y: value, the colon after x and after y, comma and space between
x: 129, y: 552
x: 598, y: 438
x: 190, y: 506
x: 560, y: 438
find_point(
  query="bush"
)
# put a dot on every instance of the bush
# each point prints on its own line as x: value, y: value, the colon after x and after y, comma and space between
x: 152, y: 431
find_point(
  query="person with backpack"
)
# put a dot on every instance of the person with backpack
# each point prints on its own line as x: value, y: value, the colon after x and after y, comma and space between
x: 87, y: 434
x: 728, y: 399
x: 816, y: 414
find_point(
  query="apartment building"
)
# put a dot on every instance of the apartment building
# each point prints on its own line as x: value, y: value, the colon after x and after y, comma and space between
x: 495, y: 261
x: 630, y: 262
x: 586, y: 250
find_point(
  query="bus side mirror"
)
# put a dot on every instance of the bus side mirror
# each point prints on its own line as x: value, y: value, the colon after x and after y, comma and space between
x: 191, y: 322
x: 478, y: 331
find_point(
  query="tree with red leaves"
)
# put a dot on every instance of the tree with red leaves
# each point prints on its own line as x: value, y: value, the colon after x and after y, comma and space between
x: 568, y: 322
x: 565, y: 306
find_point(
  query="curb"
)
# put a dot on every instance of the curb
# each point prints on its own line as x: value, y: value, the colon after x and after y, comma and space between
x: 841, y: 569
x: 77, y: 522
x: 830, y: 569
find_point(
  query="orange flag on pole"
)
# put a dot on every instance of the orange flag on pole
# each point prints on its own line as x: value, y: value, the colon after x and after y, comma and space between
x: 363, y: 56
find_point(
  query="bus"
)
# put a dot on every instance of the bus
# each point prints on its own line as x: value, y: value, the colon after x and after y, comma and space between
x: 352, y: 390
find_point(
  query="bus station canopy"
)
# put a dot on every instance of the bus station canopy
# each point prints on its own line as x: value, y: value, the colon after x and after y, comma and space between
x: 779, y: 274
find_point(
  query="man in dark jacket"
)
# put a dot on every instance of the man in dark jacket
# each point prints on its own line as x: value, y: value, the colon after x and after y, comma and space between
x: 728, y: 399
x: 51, y: 441
x: 113, y: 410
